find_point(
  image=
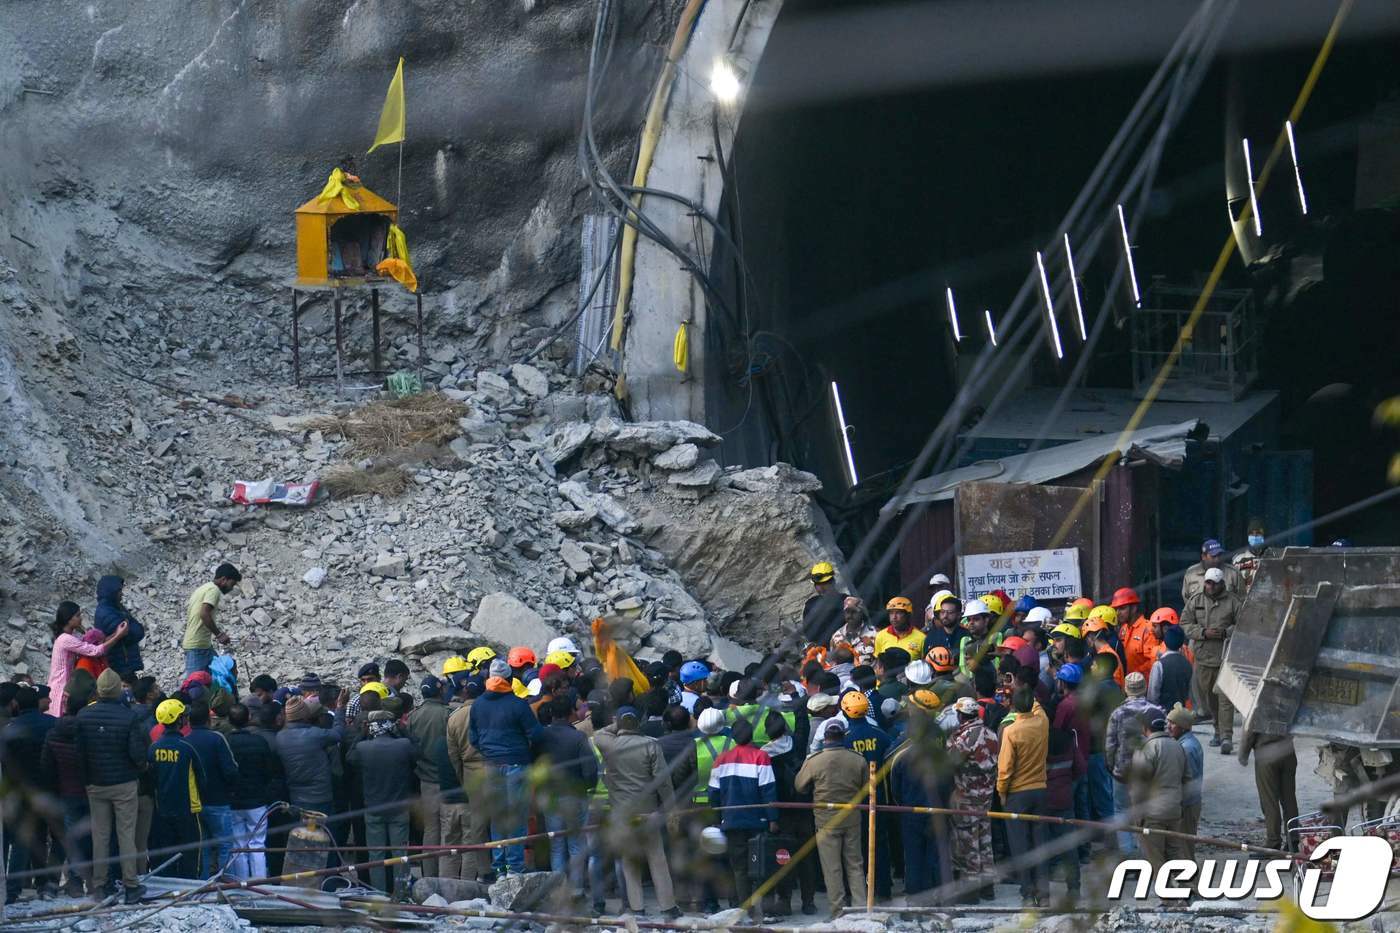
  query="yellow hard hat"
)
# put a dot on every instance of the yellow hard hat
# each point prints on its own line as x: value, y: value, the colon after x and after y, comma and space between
x: 925, y: 700
x: 169, y: 712
x: 941, y: 597
x: 560, y: 659
x: 1076, y: 613
x: 822, y: 572
x: 1066, y: 628
x: 899, y: 602
x: 375, y: 686
x: 994, y: 604
x: 479, y: 656
x: 1106, y: 614
x: 855, y: 704
x: 454, y: 665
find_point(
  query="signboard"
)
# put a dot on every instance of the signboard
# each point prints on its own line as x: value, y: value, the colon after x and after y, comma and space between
x: 1042, y: 574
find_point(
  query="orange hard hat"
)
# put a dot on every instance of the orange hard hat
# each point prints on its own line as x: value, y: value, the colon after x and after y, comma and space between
x: 1124, y: 596
x: 520, y: 656
x: 1166, y: 616
x: 940, y: 659
x: 1084, y: 601
x: 1012, y: 642
x: 1093, y: 625
x: 900, y: 602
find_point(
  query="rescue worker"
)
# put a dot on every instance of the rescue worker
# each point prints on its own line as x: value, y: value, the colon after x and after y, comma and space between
x: 1158, y: 772
x: 1179, y: 723
x: 179, y: 779
x: 837, y: 774
x: 822, y: 611
x: 1246, y: 562
x: 856, y: 632
x: 977, y: 617
x: 873, y: 744
x: 1135, y: 636
x: 1209, y: 618
x: 946, y: 632
x: 972, y: 751
x: 1169, y: 681
x: 1276, y: 779
x: 1212, y: 556
x: 900, y: 633
x: 1059, y: 636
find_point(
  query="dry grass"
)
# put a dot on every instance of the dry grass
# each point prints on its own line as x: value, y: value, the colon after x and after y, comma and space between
x: 384, y: 427
x: 344, y: 480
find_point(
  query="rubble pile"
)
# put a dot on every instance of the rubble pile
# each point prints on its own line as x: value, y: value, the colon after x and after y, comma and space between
x: 547, y: 509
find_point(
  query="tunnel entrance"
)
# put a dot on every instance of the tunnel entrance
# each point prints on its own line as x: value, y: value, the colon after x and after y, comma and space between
x: 856, y: 210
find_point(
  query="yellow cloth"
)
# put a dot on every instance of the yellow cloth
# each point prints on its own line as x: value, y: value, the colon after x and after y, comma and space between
x: 616, y: 662
x: 912, y: 643
x: 196, y: 634
x: 398, y: 244
x: 400, y: 272
x: 391, y: 118
x: 680, y: 350
x: 336, y: 188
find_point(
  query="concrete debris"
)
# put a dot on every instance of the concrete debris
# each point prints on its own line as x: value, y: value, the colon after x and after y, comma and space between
x: 531, y: 381
x: 680, y: 457
x: 425, y: 639
x: 608, y: 509
x: 780, y: 477
x: 703, y: 476
x: 575, y: 558
x: 451, y: 890
x: 504, y: 620
x: 530, y: 892
x: 315, y: 577
x: 647, y: 437
x: 388, y: 565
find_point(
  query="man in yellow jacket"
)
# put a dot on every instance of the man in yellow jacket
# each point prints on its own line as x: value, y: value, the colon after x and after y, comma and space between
x: 1025, y: 744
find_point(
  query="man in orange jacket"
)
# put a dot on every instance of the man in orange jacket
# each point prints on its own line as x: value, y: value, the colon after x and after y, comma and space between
x: 1134, y: 633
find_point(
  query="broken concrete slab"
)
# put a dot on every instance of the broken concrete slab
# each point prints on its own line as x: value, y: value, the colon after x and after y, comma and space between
x: 504, y: 620
x: 425, y: 639
x: 650, y: 437
x: 780, y: 477
x: 518, y: 893
x: 566, y: 441
x: 680, y: 457
x: 702, y: 476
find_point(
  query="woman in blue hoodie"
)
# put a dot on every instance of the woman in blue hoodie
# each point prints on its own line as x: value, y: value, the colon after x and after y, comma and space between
x: 124, y: 657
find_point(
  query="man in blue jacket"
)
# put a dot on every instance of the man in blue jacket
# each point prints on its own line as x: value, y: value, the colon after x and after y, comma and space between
x: 220, y: 777
x: 179, y: 781
x: 124, y: 657
x: 503, y: 729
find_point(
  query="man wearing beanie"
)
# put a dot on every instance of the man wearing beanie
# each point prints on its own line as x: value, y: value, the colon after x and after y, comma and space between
x: 1122, y: 741
x: 1170, y: 680
x: 113, y: 745
x: 385, y: 763
x: 1179, y: 723
x: 503, y: 729
x: 304, y: 749
x: 427, y: 725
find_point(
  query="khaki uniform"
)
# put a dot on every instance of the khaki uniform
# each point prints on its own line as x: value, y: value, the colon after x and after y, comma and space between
x: 471, y: 771
x: 1276, y: 778
x: 1191, y: 584
x: 1202, y: 613
x: 837, y: 775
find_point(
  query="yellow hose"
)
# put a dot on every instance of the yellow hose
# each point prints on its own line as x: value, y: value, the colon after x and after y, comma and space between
x: 651, y: 135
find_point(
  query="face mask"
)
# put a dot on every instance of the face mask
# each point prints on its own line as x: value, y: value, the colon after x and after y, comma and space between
x: 1256, y: 541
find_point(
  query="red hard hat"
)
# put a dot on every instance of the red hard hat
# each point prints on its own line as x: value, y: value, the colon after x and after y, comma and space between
x: 520, y: 656
x: 1012, y: 642
x: 1124, y: 596
x: 1165, y: 616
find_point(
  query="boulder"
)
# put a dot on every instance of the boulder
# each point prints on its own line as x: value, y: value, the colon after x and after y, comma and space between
x: 566, y: 441
x: 651, y: 437
x: 425, y: 639
x: 702, y: 476
x: 494, y: 387
x: 689, y: 637
x: 531, y: 381
x: 730, y: 655
x: 780, y: 477
x: 573, y: 519
x: 575, y: 557
x: 680, y: 457
x: 504, y: 620
x: 609, y: 509
x: 518, y: 893
x: 449, y: 889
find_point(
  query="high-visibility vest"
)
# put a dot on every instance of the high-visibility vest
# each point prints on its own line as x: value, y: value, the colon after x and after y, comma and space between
x: 968, y: 648
x: 705, y: 755
x: 757, y: 716
x: 600, y: 790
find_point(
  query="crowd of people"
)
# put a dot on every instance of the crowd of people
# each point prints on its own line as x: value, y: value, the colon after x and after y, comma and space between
x: 613, y: 770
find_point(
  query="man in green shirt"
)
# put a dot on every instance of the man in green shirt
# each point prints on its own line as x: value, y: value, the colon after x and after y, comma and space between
x: 200, y: 630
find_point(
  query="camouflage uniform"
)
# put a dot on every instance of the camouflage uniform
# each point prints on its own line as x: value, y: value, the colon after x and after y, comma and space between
x: 974, y: 747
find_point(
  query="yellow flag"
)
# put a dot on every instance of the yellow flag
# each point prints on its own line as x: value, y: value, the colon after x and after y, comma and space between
x: 391, y: 119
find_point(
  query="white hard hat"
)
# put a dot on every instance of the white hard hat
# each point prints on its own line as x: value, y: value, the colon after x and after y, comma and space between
x: 562, y: 643
x: 713, y: 841
x: 939, y: 580
x: 1215, y: 575
x: 918, y: 672
x: 711, y: 721
x: 975, y: 607
x: 1039, y: 615
x: 535, y: 687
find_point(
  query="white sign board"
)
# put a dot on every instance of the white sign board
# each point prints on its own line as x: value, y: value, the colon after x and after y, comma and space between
x: 1042, y: 574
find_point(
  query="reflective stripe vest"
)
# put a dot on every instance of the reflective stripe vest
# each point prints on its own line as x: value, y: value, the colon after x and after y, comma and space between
x: 600, y: 789
x: 757, y: 716
x: 707, y: 749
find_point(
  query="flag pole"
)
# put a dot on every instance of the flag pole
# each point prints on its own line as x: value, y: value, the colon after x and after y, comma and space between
x: 398, y: 199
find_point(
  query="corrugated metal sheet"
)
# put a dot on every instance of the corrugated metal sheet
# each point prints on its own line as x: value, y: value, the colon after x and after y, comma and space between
x: 1165, y: 446
x: 927, y: 549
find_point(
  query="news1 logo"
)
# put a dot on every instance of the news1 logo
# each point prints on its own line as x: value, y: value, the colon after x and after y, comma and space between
x: 1359, y: 877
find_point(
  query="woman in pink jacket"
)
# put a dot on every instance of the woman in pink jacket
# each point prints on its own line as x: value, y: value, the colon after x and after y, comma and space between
x: 68, y: 646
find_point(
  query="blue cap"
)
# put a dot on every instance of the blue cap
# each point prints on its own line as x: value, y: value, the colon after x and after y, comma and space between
x: 628, y: 711
x: 430, y: 687
x: 1025, y: 603
x: 1069, y: 673
x: 691, y: 671
x: 1212, y: 547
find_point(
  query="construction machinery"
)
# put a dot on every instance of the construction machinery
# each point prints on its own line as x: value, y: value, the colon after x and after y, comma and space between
x: 1316, y: 653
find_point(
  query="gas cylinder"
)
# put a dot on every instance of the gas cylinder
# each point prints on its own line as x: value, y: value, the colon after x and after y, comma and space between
x: 302, y: 843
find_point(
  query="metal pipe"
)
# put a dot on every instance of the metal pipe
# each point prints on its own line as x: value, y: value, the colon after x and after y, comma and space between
x: 870, y: 848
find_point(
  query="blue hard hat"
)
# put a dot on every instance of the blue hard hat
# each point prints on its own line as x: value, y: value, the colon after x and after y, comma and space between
x: 1070, y: 673
x: 691, y: 671
x: 1025, y: 603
